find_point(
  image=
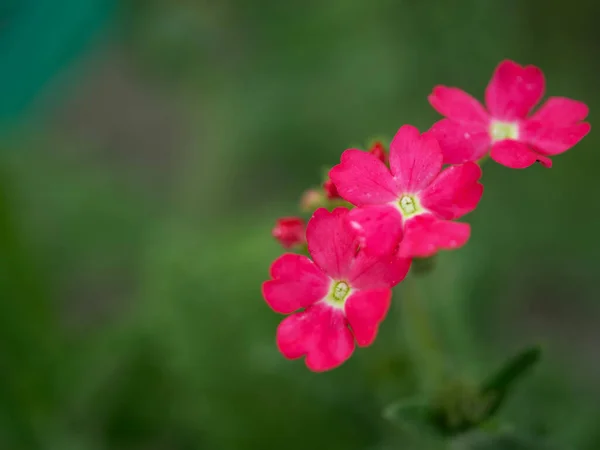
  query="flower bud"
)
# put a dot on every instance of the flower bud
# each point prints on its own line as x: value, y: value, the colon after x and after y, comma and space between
x: 311, y: 200
x: 330, y: 190
x: 378, y: 150
x: 289, y: 231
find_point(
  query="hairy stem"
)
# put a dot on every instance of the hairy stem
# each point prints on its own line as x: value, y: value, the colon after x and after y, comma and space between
x: 422, y: 340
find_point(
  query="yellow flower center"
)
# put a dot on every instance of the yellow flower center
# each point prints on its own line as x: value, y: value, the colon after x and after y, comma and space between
x: 500, y: 131
x: 408, y: 205
x: 338, y: 294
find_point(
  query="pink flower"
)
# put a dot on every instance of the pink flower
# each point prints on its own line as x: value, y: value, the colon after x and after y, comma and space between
x: 340, y: 297
x: 289, y: 231
x: 516, y: 138
x: 410, y: 203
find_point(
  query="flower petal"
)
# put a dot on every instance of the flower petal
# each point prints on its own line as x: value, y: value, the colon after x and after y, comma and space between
x: 362, y: 179
x: 455, y: 192
x: 517, y: 155
x: 297, y: 283
x: 461, y: 142
x: 415, y: 159
x: 424, y: 235
x: 375, y: 272
x: 379, y: 228
x: 365, y: 310
x: 457, y: 105
x: 551, y: 140
x: 321, y: 333
x: 331, y: 241
x: 514, y: 90
x: 561, y: 111
x: 556, y: 126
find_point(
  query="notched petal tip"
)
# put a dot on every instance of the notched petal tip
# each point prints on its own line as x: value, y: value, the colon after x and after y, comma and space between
x: 455, y: 192
x: 296, y: 283
x: 409, y: 129
x: 458, y: 105
x: 415, y: 159
x: 514, y: 90
x: 363, y: 179
x: 321, y: 333
x: 331, y: 241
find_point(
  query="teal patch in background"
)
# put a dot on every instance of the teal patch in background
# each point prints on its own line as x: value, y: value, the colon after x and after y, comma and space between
x: 37, y: 39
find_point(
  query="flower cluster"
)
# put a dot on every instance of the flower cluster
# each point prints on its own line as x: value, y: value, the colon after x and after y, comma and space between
x: 388, y: 209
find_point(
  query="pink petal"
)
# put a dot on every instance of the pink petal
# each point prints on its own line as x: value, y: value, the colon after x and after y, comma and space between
x: 365, y: 310
x: 362, y: 179
x: 379, y: 228
x: 556, y: 126
x: 514, y: 90
x: 321, y: 333
x: 457, y: 105
x: 455, y: 192
x: 297, y: 283
x: 415, y: 159
x: 561, y: 111
x: 551, y: 140
x: 375, y: 272
x: 424, y: 235
x: 331, y: 241
x: 516, y: 155
x: 461, y: 142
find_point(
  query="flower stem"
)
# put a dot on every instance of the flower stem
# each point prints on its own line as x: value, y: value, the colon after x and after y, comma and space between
x: 421, y: 338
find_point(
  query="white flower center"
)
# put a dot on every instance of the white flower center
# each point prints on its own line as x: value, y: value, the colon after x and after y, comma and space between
x: 340, y: 290
x: 500, y: 131
x: 408, y: 205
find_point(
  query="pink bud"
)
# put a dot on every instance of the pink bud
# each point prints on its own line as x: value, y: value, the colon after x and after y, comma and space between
x: 289, y: 231
x: 311, y: 200
x: 330, y: 190
x: 378, y: 150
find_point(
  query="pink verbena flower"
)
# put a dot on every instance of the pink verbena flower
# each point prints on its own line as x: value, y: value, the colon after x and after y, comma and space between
x: 289, y: 231
x: 517, y: 139
x: 410, y: 203
x: 342, y: 296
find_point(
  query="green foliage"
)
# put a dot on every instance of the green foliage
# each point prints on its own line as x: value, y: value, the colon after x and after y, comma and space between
x: 458, y: 407
x: 501, y: 383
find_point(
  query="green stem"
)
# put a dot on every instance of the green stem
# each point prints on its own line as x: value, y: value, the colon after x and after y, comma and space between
x: 422, y: 340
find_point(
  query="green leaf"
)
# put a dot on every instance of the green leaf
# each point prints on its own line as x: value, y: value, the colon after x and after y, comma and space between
x: 504, y: 440
x: 499, y: 384
x: 410, y: 414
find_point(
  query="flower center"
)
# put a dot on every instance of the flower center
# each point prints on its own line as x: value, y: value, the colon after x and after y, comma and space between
x: 503, y: 130
x: 408, y: 205
x: 338, y: 294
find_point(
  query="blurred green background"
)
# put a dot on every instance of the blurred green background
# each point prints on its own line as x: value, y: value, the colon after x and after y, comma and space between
x: 147, y: 148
